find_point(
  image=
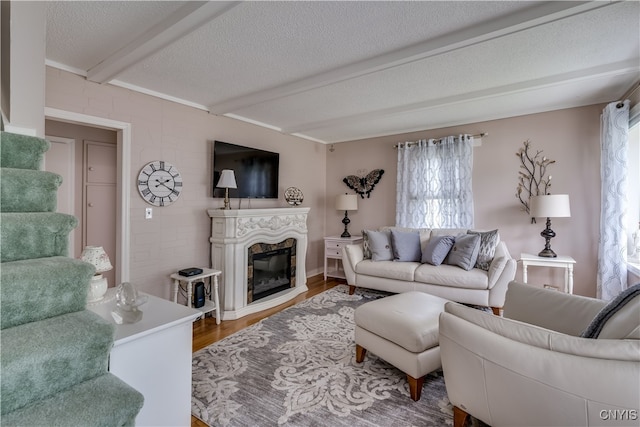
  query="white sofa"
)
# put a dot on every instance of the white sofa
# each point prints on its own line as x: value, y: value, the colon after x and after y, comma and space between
x: 476, y: 286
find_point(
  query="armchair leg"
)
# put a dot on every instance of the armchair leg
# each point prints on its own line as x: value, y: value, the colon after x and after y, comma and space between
x: 415, y: 387
x: 460, y: 417
x: 360, y: 352
x: 496, y: 310
x: 352, y: 289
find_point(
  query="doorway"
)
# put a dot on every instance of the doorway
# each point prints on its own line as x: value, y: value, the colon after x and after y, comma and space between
x: 86, y: 157
x: 122, y: 132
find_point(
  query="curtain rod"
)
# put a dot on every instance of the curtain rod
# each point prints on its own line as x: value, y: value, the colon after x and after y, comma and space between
x: 480, y: 135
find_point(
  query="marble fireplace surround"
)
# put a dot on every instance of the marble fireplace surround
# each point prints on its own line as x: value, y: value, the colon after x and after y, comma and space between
x: 233, y: 231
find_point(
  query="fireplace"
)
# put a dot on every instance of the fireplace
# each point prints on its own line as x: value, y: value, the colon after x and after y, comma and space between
x: 261, y: 253
x: 271, y: 269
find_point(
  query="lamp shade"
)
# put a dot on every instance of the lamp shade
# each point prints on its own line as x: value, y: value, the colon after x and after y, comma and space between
x: 550, y: 206
x: 227, y: 179
x: 98, y: 257
x: 347, y: 202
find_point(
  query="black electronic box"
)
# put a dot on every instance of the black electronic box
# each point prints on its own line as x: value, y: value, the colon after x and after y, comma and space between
x: 190, y: 271
x: 198, y: 295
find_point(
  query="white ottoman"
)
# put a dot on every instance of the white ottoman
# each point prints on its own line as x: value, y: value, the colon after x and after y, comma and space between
x: 402, y: 329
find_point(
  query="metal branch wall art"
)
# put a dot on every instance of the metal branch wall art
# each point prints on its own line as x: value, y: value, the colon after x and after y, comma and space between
x: 532, y: 179
x: 363, y: 184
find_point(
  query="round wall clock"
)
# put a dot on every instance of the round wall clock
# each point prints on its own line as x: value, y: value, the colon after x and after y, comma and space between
x: 159, y: 183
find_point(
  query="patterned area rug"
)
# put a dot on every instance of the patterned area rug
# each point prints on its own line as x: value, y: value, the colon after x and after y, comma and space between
x: 297, y: 368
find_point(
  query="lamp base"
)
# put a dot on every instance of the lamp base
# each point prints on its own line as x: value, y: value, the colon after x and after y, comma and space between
x: 548, y: 234
x: 227, y: 204
x: 97, y: 288
x: 346, y: 222
x: 547, y: 253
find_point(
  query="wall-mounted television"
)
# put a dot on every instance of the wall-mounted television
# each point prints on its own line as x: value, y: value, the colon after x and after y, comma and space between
x: 256, y: 171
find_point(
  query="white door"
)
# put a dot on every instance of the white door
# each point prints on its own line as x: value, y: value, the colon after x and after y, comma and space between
x: 100, y: 200
x: 60, y: 159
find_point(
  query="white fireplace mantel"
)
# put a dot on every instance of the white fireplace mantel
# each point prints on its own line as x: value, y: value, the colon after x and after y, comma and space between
x: 233, y: 231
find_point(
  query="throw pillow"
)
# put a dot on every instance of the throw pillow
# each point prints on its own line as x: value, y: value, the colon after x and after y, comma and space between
x: 366, y: 250
x: 609, y: 311
x: 464, y: 252
x: 380, y: 245
x: 437, y: 249
x: 406, y: 245
x: 488, y: 243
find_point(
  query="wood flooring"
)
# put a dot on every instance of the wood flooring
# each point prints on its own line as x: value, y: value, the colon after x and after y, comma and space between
x: 206, y: 332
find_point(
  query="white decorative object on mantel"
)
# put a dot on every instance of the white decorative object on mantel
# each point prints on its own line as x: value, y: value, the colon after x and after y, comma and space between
x: 233, y: 231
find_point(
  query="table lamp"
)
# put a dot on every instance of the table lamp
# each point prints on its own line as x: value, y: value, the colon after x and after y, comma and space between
x: 227, y: 180
x: 98, y: 257
x: 549, y: 206
x: 346, y: 202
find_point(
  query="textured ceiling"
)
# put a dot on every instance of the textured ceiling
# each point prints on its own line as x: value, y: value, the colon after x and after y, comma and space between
x: 340, y: 71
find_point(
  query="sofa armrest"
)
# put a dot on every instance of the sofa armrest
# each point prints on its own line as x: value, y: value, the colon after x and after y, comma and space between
x: 550, y: 309
x: 351, y: 256
x: 501, y: 271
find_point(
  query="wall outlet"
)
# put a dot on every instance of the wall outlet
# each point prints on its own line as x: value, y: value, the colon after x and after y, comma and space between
x: 148, y: 213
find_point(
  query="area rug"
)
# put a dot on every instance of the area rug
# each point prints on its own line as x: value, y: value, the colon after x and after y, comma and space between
x: 297, y: 368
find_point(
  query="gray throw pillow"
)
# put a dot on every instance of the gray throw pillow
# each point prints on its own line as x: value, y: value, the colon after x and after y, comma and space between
x: 464, y: 252
x: 366, y: 250
x: 488, y: 243
x: 380, y: 245
x: 437, y: 249
x: 609, y: 311
x: 406, y: 246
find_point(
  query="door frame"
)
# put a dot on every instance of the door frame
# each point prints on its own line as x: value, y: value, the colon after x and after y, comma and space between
x: 71, y: 174
x: 123, y: 141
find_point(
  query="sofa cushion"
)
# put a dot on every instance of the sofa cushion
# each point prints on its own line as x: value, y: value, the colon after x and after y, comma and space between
x: 464, y: 252
x: 451, y: 276
x: 437, y: 249
x: 488, y: 242
x: 406, y: 245
x: 619, y: 319
x: 388, y: 269
x: 380, y: 245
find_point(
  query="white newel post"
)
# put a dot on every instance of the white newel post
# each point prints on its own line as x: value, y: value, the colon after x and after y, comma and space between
x: 233, y: 231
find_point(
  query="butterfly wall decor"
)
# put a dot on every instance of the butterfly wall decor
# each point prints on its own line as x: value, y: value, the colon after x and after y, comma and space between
x: 364, y: 184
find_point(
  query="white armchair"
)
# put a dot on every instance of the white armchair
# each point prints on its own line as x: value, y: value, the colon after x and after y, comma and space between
x: 531, y: 367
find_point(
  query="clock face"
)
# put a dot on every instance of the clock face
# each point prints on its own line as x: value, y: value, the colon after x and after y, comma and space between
x: 159, y: 183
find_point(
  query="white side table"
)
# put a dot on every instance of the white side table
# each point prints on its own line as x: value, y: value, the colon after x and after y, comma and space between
x: 560, y: 261
x: 333, y: 250
x: 213, y: 283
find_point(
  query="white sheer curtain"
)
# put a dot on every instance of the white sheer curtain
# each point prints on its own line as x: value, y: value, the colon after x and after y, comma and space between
x: 433, y: 186
x: 612, y: 250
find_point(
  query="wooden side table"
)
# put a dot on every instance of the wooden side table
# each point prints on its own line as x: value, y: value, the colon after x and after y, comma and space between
x: 213, y: 283
x: 333, y: 250
x: 565, y: 262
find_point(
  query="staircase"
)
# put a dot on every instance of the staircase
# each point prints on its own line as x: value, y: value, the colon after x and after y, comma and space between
x: 54, y: 353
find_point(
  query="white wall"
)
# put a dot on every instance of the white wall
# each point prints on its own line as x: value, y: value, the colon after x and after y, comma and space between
x: 23, y: 99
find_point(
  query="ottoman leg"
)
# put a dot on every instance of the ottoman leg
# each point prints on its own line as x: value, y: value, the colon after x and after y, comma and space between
x: 360, y: 352
x: 415, y: 387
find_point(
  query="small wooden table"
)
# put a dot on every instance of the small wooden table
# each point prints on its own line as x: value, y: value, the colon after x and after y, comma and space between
x: 213, y: 283
x: 560, y: 261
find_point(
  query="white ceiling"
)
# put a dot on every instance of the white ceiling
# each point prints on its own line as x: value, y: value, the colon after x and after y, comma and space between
x: 340, y: 71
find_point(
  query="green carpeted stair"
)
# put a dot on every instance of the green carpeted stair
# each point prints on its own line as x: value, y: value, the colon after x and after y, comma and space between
x: 54, y: 352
